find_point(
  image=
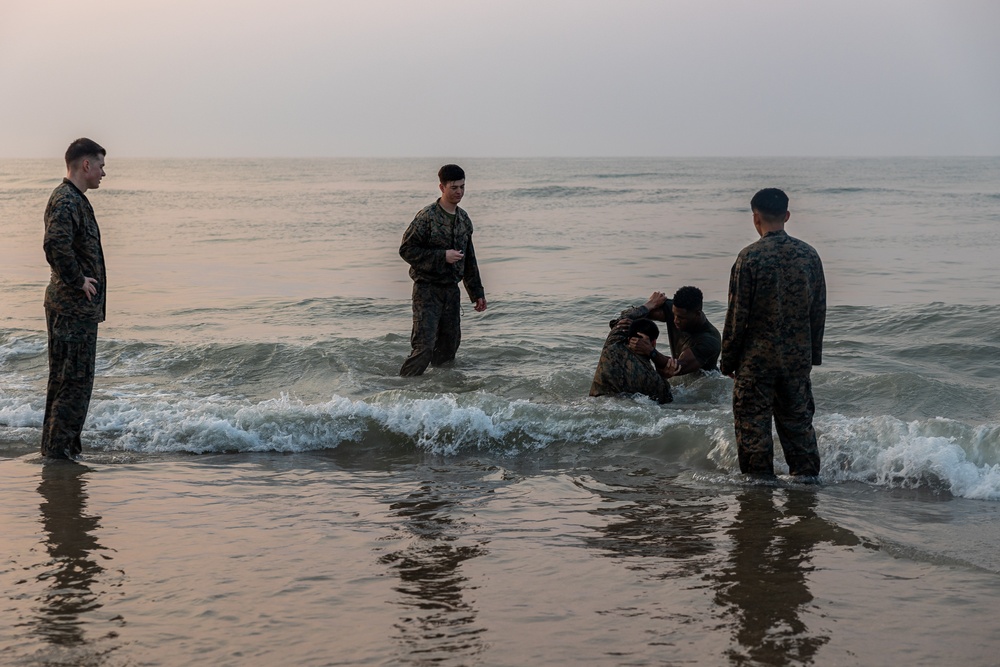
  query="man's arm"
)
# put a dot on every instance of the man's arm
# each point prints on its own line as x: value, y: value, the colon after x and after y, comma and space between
x: 471, y: 279
x: 817, y: 314
x: 737, y: 317
x: 60, y: 224
x: 414, y: 247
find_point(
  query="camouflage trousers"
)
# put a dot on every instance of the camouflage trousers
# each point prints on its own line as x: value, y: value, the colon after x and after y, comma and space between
x: 437, y: 327
x: 72, y: 358
x: 789, y: 401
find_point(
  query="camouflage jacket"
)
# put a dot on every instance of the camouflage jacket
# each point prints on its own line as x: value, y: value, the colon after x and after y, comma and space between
x: 777, y: 309
x: 621, y: 371
x: 424, y: 244
x: 73, y: 249
x: 705, y: 344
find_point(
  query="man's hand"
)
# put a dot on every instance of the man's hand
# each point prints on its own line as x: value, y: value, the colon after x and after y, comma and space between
x: 672, y: 368
x: 656, y: 300
x: 640, y: 345
x: 480, y: 304
x: 89, y: 288
x: 452, y: 256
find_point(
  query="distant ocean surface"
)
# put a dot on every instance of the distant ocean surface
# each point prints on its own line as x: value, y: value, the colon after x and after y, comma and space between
x: 259, y: 483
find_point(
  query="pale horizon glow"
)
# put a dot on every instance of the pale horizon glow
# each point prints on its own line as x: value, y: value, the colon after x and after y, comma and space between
x: 545, y: 78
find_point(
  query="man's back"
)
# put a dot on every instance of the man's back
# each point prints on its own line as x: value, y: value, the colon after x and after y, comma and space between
x: 621, y: 371
x: 777, y: 308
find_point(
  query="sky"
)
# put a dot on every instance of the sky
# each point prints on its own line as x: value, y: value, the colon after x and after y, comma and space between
x: 500, y: 78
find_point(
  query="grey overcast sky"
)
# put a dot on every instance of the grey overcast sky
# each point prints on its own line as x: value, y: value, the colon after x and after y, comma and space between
x: 496, y: 78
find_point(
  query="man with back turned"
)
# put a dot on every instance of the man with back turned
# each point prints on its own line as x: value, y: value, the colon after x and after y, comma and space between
x: 772, y: 338
x: 438, y: 247
x: 74, y: 299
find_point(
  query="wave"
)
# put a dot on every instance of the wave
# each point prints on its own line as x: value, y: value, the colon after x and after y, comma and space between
x: 883, y: 451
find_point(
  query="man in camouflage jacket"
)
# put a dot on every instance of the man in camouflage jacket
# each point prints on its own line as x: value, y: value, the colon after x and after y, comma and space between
x: 74, y: 299
x: 623, y: 371
x: 772, y: 338
x: 438, y: 247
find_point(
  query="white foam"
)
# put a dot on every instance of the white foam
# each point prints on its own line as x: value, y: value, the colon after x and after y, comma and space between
x: 894, y: 453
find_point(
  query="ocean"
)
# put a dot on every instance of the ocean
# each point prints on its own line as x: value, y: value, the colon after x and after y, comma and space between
x: 260, y: 487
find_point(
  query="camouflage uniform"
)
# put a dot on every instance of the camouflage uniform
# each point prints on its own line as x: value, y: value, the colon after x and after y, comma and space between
x: 705, y: 343
x: 621, y: 371
x: 72, y: 247
x: 772, y: 337
x: 437, y: 310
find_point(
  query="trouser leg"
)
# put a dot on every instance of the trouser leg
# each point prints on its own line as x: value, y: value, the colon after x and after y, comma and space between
x: 449, y: 331
x: 427, y: 309
x: 752, y: 401
x: 793, y: 419
x: 72, y: 359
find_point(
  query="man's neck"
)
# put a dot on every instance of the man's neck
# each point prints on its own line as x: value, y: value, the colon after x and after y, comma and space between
x: 444, y: 206
x: 77, y: 180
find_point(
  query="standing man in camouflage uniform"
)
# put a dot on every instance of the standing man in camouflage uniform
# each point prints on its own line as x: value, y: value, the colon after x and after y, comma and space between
x: 772, y: 338
x: 74, y: 299
x: 438, y: 247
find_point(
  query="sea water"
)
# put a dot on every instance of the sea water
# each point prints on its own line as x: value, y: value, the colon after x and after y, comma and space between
x: 260, y: 487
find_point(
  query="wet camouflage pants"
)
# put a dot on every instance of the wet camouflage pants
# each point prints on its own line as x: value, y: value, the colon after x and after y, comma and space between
x: 789, y: 400
x: 72, y: 357
x: 437, y: 330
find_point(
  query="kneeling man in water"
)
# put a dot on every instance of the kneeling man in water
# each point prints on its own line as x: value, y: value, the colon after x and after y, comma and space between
x: 622, y: 371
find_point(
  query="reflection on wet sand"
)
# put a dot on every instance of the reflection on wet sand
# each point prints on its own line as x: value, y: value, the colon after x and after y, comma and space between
x: 69, y: 601
x: 661, y: 520
x: 764, y: 583
x: 439, y: 624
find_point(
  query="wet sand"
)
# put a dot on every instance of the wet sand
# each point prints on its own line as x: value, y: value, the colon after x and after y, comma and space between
x: 356, y: 557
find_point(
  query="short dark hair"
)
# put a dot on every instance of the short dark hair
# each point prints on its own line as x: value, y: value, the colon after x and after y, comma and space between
x: 772, y: 203
x: 688, y: 298
x: 449, y: 173
x: 644, y: 326
x: 82, y: 148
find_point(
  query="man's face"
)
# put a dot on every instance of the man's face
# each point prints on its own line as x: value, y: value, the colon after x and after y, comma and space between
x: 93, y: 171
x: 452, y: 191
x: 686, y: 320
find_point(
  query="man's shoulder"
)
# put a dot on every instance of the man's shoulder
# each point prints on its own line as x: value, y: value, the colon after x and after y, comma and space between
x: 429, y: 211
x: 710, y: 331
x: 803, y: 247
x: 66, y: 192
x: 64, y: 198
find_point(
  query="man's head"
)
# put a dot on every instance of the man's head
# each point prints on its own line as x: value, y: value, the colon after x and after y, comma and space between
x: 687, y: 308
x: 644, y: 328
x: 85, y: 163
x: 770, y: 210
x: 452, y: 178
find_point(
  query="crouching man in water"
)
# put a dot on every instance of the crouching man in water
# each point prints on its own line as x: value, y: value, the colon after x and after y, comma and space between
x: 622, y: 371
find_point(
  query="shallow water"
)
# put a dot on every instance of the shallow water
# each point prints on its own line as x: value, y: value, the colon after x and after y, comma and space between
x: 359, y: 558
x: 260, y: 487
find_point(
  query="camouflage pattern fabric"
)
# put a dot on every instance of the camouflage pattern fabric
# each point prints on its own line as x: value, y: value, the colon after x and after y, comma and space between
x: 437, y: 311
x: 72, y: 358
x: 790, y: 402
x: 73, y: 249
x: 621, y: 371
x: 72, y: 245
x: 437, y: 330
x: 772, y: 337
x: 425, y: 241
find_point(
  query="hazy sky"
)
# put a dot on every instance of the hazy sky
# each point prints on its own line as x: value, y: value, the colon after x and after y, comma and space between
x: 492, y: 78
